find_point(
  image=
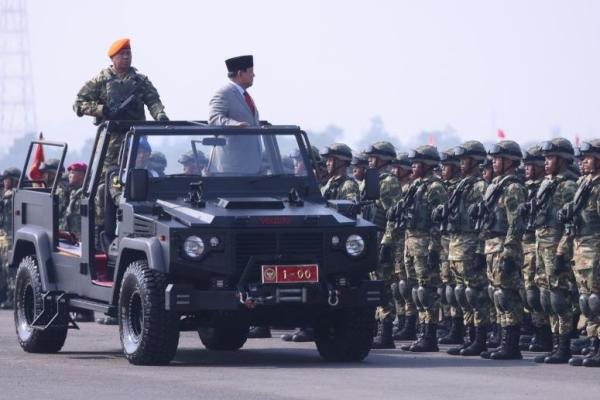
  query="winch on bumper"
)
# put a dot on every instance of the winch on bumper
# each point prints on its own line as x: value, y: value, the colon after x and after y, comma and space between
x: 186, y: 298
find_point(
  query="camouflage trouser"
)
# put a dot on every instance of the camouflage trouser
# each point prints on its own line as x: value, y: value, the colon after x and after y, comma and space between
x: 586, y: 256
x: 560, y: 322
x: 531, y: 277
x: 415, y: 259
x: 448, y: 278
x: 7, y: 274
x: 465, y: 274
x: 385, y: 272
x: 404, y: 306
x: 509, y: 309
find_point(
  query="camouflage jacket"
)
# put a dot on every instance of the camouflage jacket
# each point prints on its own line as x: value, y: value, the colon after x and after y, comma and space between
x: 504, y: 229
x: 340, y: 188
x: 394, y: 233
x: 553, y: 193
x: 389, y: 194
x: 532, y: 186
x: 72, y: 220
x: 464, y: 241
x: 6, y: 214
x: 423, y: 196
x: 109, y: 89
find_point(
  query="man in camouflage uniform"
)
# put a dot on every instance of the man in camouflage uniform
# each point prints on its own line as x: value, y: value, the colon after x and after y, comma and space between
x: 380, y: 156
x: 582, y: 222
x: 450, y: 174
x: 406, y: 310
x: 157, y: 162
x: 465, y: 251
x: 193, y: 165
x: 422, y: 245
x: 118, y: 92
x: 533, y: 161
x: 553, y: 269
x: 7, y: 275
x: 502, y: 228
x: 339, y: 186
x: 487, y: 172
x: 359, y: 163
x: 72, y: 220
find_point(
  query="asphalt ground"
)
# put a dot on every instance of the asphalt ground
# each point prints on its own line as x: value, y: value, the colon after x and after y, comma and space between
x: 91, y: 366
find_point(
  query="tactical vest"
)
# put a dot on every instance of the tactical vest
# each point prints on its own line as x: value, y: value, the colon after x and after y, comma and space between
x: 546, y: 214
x: 375, y: 212
x: 458, y: 215
x: 418, y: 213
x: 532, y: 189
x: 588, y: 220
x: 333, y: 187
x: 496, y: 220
x: 117, y: 90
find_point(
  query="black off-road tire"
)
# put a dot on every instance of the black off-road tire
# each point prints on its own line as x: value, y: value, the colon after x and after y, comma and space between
x: 28, y: 305
x: 149, y: 333
x: 345, y: 335
x: 226, y: 333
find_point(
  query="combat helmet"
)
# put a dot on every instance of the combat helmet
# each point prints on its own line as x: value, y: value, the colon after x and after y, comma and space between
x: 533, y: 155
x: 383, y: 150
x: 426, y: 154
x: 49, y: 165
x: 486, y: 163
x: 360, y: 160
x: 157, y: 159
x: 11, y: 172
x: 449, y: 157
x: 591, y: 148
x: 339, y: 151
x: 402, y: 161
x: 507, y: 149
x: 560, y: 147
x: 473, y: 149
x: 188, y: 158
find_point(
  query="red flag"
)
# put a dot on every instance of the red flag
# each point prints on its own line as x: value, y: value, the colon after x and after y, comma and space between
x: 431, y: 140
x: 38, y: 159
x: 500, y: 134
x: 577, y: 140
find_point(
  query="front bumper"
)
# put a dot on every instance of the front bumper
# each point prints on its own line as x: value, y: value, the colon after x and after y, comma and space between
x: 186, y: 298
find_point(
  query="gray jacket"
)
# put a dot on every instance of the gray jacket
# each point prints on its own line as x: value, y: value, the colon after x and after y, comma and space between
x: 228, y: 107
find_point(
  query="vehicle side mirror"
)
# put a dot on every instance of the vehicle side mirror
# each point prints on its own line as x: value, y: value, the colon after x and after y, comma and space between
x: 138, y: 185
x: 371, y: 184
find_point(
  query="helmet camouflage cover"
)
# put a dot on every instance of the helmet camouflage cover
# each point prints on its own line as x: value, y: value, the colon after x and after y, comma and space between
x: 533, y: 155
x: 339, y: 151
x: 471, y: 148
x: 560, y: 147
x: 426, y: 154
x: 507, y: 149
x: 383, y: 150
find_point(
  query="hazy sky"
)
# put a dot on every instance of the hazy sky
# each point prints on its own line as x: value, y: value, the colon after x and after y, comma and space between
x: 528, y: 67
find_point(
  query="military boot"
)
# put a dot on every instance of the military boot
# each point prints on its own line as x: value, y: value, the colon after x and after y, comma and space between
x: 592, y: 359
x: 478, y: 345
x: 540, y: 359
x: 562, y: 353
x: 456, y: 333
x: 594, y: 345
x: 455, y: 351
x: 398, y: 326
x: 259, y: 332
x: 420, y: 331
x: 409, y: 331
x: 495, y: 336
x: 384, y: 339
x: 543, y: 339
x: 581, y: 345
x: 509, y: 350
x: 427, y: 342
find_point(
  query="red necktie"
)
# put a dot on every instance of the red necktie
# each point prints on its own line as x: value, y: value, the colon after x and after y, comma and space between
x: 249, y: 101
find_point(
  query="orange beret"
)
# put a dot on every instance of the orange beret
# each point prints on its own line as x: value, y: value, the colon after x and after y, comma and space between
x: 118, y: 46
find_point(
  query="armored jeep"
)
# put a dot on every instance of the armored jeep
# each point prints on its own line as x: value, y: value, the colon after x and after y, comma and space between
x: 242, y: 240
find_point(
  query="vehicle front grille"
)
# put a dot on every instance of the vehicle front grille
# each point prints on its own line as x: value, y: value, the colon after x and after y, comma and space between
x: 296, y: 244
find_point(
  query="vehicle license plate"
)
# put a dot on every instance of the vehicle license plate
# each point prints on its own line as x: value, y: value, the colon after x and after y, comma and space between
x: 290, y: 273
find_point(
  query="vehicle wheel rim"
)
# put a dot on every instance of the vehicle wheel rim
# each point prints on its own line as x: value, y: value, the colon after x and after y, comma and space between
x: 25, y: 312
x: 133, y: 323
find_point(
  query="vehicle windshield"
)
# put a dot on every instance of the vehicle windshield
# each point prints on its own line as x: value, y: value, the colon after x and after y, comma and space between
x: 215, y: 155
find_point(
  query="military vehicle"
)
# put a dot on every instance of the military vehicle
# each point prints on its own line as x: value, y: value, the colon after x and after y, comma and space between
x: 244, y: 242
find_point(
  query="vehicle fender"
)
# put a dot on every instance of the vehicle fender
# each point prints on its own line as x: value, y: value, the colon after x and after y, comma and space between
x: 150, y: 247
x: 34, y: 240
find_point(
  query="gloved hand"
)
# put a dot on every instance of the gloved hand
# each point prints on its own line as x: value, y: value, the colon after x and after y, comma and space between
x: 162, y: 117
x: 479, y: 262
x: 507, y: 265
x: 385, y: 254
x: 433, y: 260
x: 559, y: 265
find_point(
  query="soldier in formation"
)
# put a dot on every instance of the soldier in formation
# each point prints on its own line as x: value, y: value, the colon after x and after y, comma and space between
x: 10, y: 180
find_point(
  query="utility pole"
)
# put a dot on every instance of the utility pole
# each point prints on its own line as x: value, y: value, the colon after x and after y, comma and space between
x: 17, y: 106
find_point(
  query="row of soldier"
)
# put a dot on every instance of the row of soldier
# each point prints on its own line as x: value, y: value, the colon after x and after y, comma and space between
x: 496, y: 238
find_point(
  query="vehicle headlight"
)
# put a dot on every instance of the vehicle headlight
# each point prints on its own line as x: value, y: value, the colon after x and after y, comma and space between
x: 193, y: 246
x: 355, y: 245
